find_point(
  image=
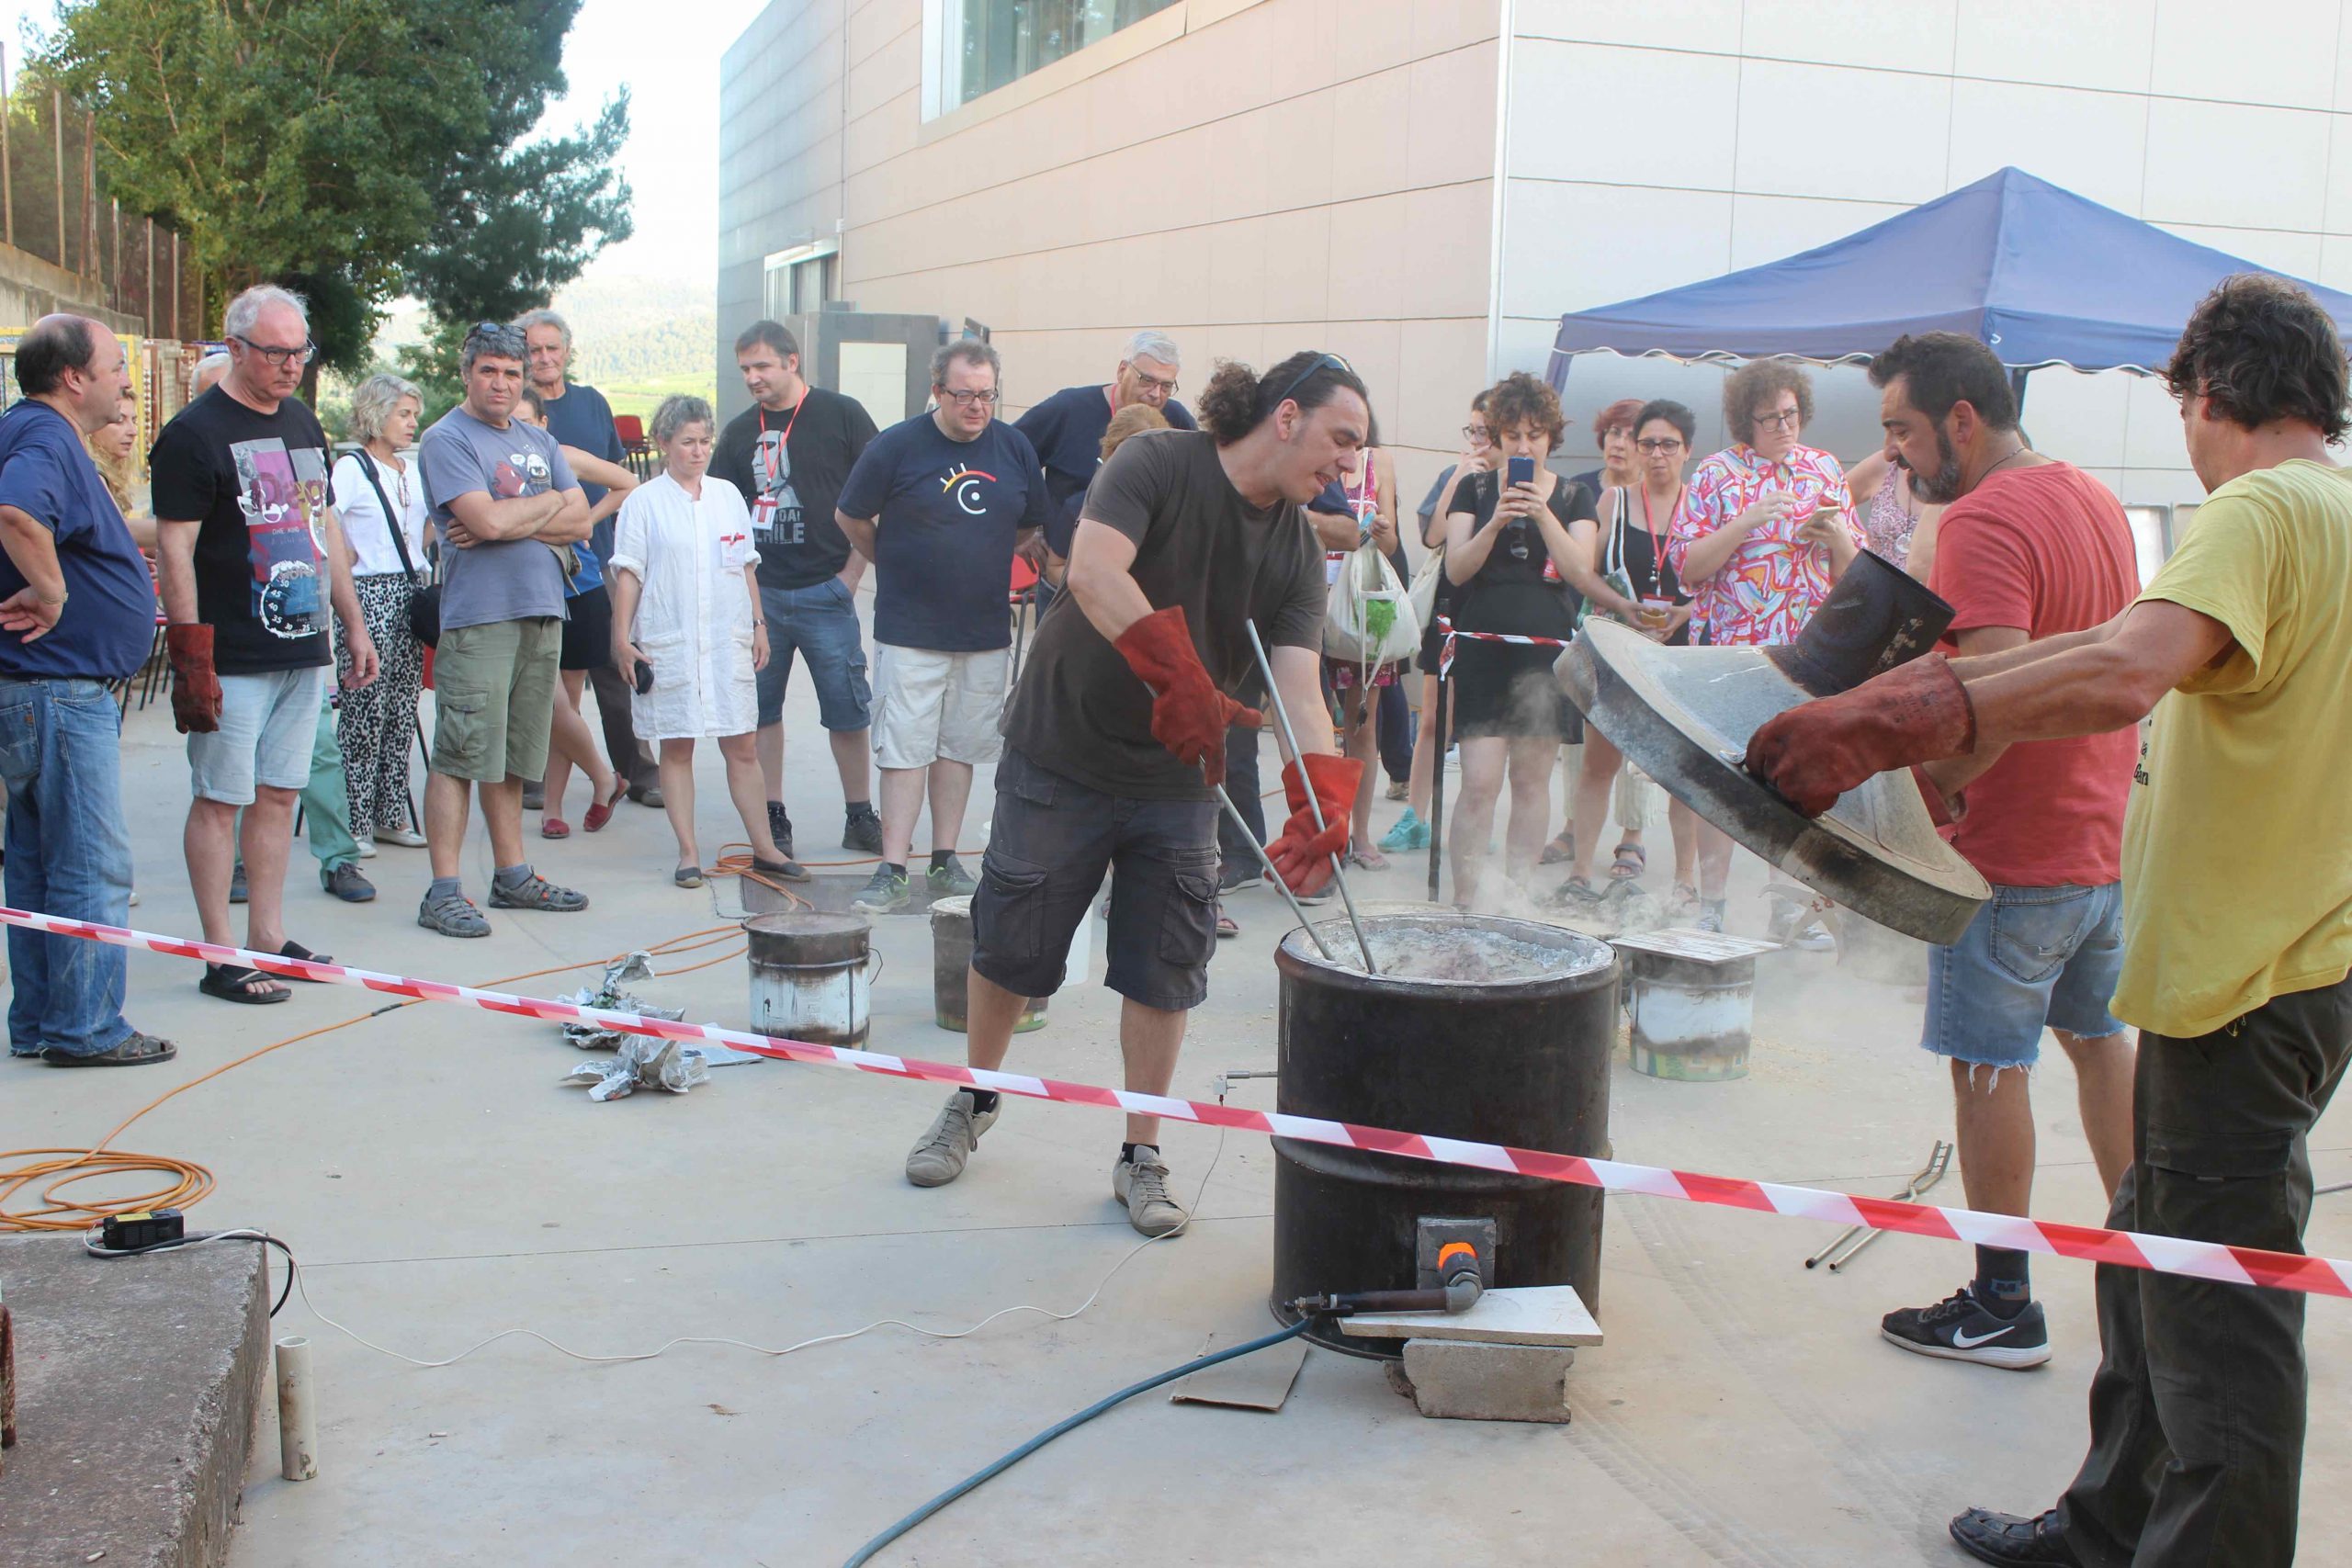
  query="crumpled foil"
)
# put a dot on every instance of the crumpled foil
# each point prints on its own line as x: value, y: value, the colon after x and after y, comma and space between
x: 610, y: 996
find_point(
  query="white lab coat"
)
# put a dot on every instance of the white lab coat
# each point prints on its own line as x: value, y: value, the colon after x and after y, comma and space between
x: 695, y: 615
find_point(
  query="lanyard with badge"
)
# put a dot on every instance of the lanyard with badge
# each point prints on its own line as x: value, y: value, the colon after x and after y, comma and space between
x: 780, y: 506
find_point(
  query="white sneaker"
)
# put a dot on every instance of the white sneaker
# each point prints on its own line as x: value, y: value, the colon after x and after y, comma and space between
x: 1142, y: 1185
x: 406, y: 838
x: 940, y: 1157
x: 367, y: 846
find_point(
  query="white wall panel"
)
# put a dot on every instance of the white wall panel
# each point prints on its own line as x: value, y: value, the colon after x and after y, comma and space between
x: 2236, y: 163
x: 1567, y: 97
x: 1891, y: 35
x: 2094, y: 144
x: 1837, y: 131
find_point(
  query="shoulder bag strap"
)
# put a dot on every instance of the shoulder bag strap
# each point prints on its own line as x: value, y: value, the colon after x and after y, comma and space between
x: 395, y: 524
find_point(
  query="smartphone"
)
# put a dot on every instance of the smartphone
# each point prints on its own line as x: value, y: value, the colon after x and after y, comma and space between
x: 644, y: 677
x: 1521, y: 471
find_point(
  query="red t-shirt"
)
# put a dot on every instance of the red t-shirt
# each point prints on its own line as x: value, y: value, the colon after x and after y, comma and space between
x: 2046, y: 549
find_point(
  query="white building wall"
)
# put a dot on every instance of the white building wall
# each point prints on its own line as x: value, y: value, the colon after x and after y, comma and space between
x: 1658, y: 144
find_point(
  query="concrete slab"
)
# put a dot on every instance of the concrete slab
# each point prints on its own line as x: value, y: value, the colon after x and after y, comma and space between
x: 1466, y: 1381
x: 1523, y: 1315
x: 140, y: 1380
x: 441, y: 1185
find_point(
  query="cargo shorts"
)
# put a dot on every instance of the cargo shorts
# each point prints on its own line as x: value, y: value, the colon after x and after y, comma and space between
x: 493, y: 698
x: 1049, y: 845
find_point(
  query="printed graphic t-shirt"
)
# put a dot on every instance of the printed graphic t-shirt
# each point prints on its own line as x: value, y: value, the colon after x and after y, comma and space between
x: 510, y: 580
x: 948, y: 511
x: 2045, y: 549
x: 2237, y: 845
x: 256, y: 484
x: 792, y: 485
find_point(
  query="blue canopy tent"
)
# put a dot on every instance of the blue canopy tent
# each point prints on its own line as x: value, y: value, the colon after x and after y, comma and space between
x: 2041, y: 274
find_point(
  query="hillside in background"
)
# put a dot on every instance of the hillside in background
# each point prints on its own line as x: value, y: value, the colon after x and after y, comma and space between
x: 637, y: 339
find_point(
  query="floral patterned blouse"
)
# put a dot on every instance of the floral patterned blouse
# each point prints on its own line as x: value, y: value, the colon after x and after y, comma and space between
x: 1775, y: 581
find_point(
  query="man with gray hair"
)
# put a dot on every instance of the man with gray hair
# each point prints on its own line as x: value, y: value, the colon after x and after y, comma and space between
x: 1066, y: 428
x: 208, y: 373
x: 509, y: 510
x: 249, y: 557
x: 938, y: 503
x: 579, y: 417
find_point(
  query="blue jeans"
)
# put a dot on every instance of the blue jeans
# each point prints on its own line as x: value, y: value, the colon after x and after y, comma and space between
x: 69, y: 854
x: 819, y: 624
x: 2032, y: 958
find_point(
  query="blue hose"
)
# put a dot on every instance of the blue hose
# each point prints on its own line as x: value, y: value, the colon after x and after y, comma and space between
x: 998, y: 1467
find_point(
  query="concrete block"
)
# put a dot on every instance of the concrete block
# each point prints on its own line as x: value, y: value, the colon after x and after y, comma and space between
x: 139, y: 1382
x: 1466, y: 1381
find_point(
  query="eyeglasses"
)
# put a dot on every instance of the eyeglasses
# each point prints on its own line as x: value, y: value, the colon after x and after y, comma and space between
x: 1322, y: 362
x: 1783, y: 419
x: 1654, y: 445
x: 1476, y: 432
x: 965, y: 400
x: 1154, y: 384
x: 280, y: 358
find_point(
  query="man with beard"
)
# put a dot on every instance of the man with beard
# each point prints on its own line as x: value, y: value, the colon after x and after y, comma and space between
x: 2030, y: 548
x: 2237, y: 927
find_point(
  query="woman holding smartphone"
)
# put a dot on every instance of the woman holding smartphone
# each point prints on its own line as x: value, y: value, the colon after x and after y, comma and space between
x: 1512, y: 552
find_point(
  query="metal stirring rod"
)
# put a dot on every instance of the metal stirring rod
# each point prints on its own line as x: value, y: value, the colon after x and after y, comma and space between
x: 1275, y: 876
x: 1290, y: 739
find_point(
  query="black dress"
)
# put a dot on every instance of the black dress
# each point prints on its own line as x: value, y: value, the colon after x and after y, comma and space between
x: 1507, y: 690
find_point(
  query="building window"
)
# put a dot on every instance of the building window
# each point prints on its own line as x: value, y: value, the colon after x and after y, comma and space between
x: 992, y: 44
x: 799, y: 282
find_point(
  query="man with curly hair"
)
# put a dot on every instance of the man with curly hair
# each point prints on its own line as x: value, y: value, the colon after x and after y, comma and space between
x: 2237, y: 927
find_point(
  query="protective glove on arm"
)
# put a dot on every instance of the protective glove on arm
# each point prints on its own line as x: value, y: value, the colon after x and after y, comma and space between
x: 196, y: 686
x: 1188, y: 714
x: 1301, y: 853
x: 1918, y: 712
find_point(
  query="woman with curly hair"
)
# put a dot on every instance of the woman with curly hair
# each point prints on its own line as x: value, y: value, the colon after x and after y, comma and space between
x: 1518, y: 551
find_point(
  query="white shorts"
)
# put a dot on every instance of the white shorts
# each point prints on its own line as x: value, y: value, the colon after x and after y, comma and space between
x: 929, y: 706
x: 268, y: 724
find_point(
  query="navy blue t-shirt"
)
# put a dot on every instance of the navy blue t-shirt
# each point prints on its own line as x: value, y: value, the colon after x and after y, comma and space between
x: 1067, y: 429
x: 582, y: 418
x: 946, y: 514
x: 108, y: 623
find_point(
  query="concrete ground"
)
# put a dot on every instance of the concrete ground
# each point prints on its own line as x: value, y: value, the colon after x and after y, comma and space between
x: 441, y: 1186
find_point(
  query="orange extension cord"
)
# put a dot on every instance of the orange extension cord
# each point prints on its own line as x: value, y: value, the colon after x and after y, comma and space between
x: 187, y: 1183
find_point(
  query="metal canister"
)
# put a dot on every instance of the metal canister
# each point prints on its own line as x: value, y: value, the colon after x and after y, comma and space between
x: 1692, y: 994
x: 951, y: 957
x: 812, y: 976
x: 1519, y: 1059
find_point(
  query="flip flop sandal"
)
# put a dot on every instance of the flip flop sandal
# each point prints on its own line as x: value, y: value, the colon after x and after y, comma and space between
x: 1369, y: 859
x: 1631, y: 860
x: 228, y: 982
x: 139, y: 1051
x: 784, y: 870
x: 297, y: 952
x: 1561, y: 848
x: 687, y: 876
x: 556, y: 827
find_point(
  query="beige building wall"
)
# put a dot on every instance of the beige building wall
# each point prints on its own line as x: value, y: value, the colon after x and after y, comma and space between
x: 1253, y: 177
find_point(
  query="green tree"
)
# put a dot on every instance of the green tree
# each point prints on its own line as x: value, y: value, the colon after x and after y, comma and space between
x: 333, y: 141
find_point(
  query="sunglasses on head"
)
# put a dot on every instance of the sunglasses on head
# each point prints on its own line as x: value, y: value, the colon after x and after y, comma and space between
x: 1322, y: 362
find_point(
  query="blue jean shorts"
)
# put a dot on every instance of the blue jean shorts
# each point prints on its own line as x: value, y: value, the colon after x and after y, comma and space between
x: 820, y: 623
x: 2034, y: 957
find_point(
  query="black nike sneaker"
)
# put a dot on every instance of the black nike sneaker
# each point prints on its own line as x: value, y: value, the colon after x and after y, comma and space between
x: 1960, y: 1328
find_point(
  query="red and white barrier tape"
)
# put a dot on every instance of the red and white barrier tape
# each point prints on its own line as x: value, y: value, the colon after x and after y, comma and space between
x: 2163, y: 1255
x: 1446, y: 650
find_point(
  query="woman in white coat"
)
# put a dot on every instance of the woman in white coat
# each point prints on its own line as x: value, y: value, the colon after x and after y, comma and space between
x: 687, y: 630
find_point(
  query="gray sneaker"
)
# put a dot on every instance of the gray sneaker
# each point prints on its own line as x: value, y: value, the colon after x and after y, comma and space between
x: 536, y: 892
x: 862, y: 831
x: 1141, y: 1184
x: 453, y: 915
x: 950, y: 881
x: 346, y: 884
x: 939, y: 1159
x: 885, y: 893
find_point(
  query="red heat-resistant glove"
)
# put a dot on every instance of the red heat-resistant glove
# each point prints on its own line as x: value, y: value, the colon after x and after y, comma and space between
x: 1915, y: 713
x: 1302, y: 854
x: 1188, y: 714
x: 195, y: 688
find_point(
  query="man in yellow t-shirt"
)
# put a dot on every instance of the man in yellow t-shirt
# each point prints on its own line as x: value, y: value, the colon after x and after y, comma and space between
x: 2237, y: 898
